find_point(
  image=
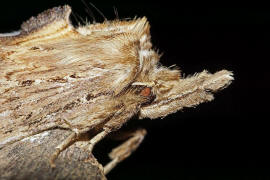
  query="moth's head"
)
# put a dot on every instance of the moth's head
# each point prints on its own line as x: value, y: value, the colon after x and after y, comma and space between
x: 172, y: 92
x: 162, y: 90
x: 168, y: 90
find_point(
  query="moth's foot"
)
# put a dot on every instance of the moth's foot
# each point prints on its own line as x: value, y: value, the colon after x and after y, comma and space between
x: 54, y: 157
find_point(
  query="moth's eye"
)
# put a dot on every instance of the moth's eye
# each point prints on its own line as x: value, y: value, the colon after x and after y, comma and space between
x: 146, y: 92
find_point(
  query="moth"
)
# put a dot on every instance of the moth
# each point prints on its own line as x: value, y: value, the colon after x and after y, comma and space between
x: 91, y: 78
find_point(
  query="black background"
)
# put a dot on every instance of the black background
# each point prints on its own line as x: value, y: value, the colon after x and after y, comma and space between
x: 227, y: 138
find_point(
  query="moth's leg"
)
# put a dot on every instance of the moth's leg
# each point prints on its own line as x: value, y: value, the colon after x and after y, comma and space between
x: 97, y: 138
x: 124, y: 150
x: 61, y: 147
x: 112, y: 125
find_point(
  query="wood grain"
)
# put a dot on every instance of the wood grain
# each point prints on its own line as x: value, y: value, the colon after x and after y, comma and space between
x: 29, y: 159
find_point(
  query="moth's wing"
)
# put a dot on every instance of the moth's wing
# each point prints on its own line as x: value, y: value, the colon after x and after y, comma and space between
x: 49, y: 47
x: 50, y: 67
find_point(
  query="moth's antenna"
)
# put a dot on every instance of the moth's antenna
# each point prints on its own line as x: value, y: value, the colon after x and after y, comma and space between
x: 89, y: 11
x: 84, y: 21
x: 98, y: 11
x: 115, y: 12
x: 75, y: 17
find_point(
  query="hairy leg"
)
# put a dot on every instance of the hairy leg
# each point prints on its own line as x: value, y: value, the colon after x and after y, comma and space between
x: 112, y: 125
x: 97, y: 138
x: 124, y: 150
x: 61, y: 147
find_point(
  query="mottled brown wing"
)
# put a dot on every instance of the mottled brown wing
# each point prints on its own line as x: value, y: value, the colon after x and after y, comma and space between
x: 51, y: 69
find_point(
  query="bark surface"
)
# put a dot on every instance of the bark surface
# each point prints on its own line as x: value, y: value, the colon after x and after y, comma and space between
x: 29, y: 159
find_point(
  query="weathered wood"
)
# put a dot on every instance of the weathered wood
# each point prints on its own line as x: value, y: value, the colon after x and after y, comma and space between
x: 29, y: 159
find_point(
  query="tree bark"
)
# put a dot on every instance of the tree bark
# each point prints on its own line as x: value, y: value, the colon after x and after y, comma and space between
x: 29, y: 159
